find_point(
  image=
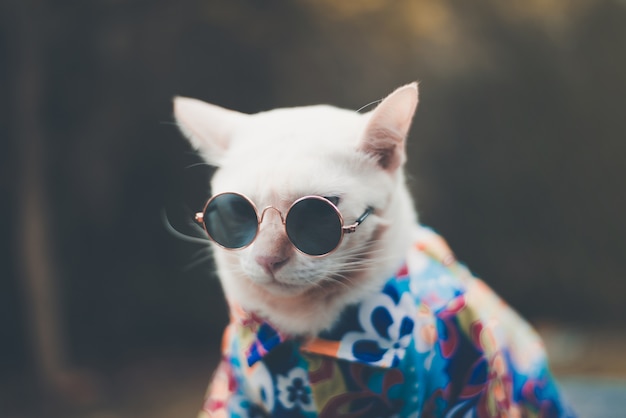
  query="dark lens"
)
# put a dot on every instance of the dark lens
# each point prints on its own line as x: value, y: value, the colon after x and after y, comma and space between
x: 231, y: 220
x: 314, y: 226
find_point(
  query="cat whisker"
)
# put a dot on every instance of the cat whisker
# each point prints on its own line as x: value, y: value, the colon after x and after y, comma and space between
x: 335, y: 278
x: 317, y: 283
x: 199, y: 261
x: 176, y: 233
x: 197, y: 165
x: 365, y: 258
x: 368, y: 105
x: 199, y: 257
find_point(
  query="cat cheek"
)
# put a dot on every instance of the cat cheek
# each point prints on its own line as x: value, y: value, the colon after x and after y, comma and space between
x: 366, y: 243
x: 379, y: 230
x: 252, y: 271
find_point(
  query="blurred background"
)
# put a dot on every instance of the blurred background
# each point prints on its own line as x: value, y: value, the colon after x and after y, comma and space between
x: 517, y: 156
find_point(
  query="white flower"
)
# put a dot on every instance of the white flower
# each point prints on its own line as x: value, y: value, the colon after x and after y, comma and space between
x: 262, y: 386
x: 294, y: 390
x: 388, y: 329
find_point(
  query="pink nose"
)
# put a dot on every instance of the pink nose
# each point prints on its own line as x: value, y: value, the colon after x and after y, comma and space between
x: 271, y: 263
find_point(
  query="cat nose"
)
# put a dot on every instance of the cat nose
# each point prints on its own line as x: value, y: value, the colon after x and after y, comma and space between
x: 271, y: 263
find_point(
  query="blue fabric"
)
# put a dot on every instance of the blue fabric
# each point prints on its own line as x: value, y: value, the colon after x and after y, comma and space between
x: 434, y: 342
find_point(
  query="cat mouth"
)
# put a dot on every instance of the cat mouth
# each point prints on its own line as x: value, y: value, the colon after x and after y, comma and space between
x: 276, y: 286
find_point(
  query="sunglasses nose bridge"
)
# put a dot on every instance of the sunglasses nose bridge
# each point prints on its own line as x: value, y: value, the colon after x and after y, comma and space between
x: 265, y: 209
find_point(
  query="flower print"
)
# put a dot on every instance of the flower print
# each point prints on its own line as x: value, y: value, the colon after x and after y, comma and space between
x: 374, y: 392
x: 262, y: 386
x: 241, y: 407
x: 222, y: 388
x: 266, y: 339
x: 294, y: 390
x: 499, y: 387
x: 417, y: 263
x: 414, y: 414
x: 425, y: 329
x: 436, y: 287
x: 387, y: 321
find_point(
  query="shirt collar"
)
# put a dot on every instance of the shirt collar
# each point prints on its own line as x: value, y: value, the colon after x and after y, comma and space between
x: 377, y: 331
x: 258, y: 337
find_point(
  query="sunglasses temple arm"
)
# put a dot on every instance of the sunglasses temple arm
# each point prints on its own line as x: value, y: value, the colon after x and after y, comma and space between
x: 352, y: 228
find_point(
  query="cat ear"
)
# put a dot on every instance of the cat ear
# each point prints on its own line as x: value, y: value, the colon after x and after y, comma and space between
x: 388, y: 127
x: 208, y: 127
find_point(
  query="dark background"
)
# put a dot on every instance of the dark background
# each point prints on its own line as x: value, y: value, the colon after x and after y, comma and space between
x: 517, y: 156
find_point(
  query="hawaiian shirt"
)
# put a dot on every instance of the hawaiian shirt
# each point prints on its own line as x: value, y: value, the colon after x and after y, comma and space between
x: 434, y: 342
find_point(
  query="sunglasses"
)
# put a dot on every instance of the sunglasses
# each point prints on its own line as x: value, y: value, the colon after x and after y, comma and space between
x: 313, y: 224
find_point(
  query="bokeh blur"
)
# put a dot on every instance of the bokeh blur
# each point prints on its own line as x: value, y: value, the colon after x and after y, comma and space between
x: 517, y: 156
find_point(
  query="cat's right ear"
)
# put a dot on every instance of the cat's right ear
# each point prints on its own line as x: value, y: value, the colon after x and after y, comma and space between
x: 208, y: 127
x: 388, y: 127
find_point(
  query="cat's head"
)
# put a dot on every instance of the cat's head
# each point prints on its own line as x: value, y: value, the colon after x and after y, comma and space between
x: 276, y: 157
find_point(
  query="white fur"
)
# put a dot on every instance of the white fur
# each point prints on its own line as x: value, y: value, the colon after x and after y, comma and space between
x: 279, y: 156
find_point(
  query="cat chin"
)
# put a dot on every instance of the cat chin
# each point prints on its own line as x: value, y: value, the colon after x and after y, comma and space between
x: 291, y: 308
x: 304, y: 309
x: 300, y: 310
x: 279, y: 289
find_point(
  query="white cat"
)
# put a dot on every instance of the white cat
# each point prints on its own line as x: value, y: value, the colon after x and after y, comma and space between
x: 279, y: 156
x: 287, y: 306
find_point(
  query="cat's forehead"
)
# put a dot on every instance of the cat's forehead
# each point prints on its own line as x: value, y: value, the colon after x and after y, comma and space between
x: 287, y: 173
x: 299, y: 128
x: 291, y: 152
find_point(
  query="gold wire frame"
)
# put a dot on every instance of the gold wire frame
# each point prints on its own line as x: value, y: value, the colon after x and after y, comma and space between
x: 345, y: 229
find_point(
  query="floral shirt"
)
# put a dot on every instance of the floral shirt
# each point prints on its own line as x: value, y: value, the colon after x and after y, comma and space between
x: 434, y: 342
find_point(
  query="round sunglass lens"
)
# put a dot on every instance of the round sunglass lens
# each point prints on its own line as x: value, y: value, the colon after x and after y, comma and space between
x: 230, y: 220
x: 314, y: 226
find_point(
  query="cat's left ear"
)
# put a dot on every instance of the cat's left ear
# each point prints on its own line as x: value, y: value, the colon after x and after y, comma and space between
x: 208, y: 127
x: 388, y: 127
